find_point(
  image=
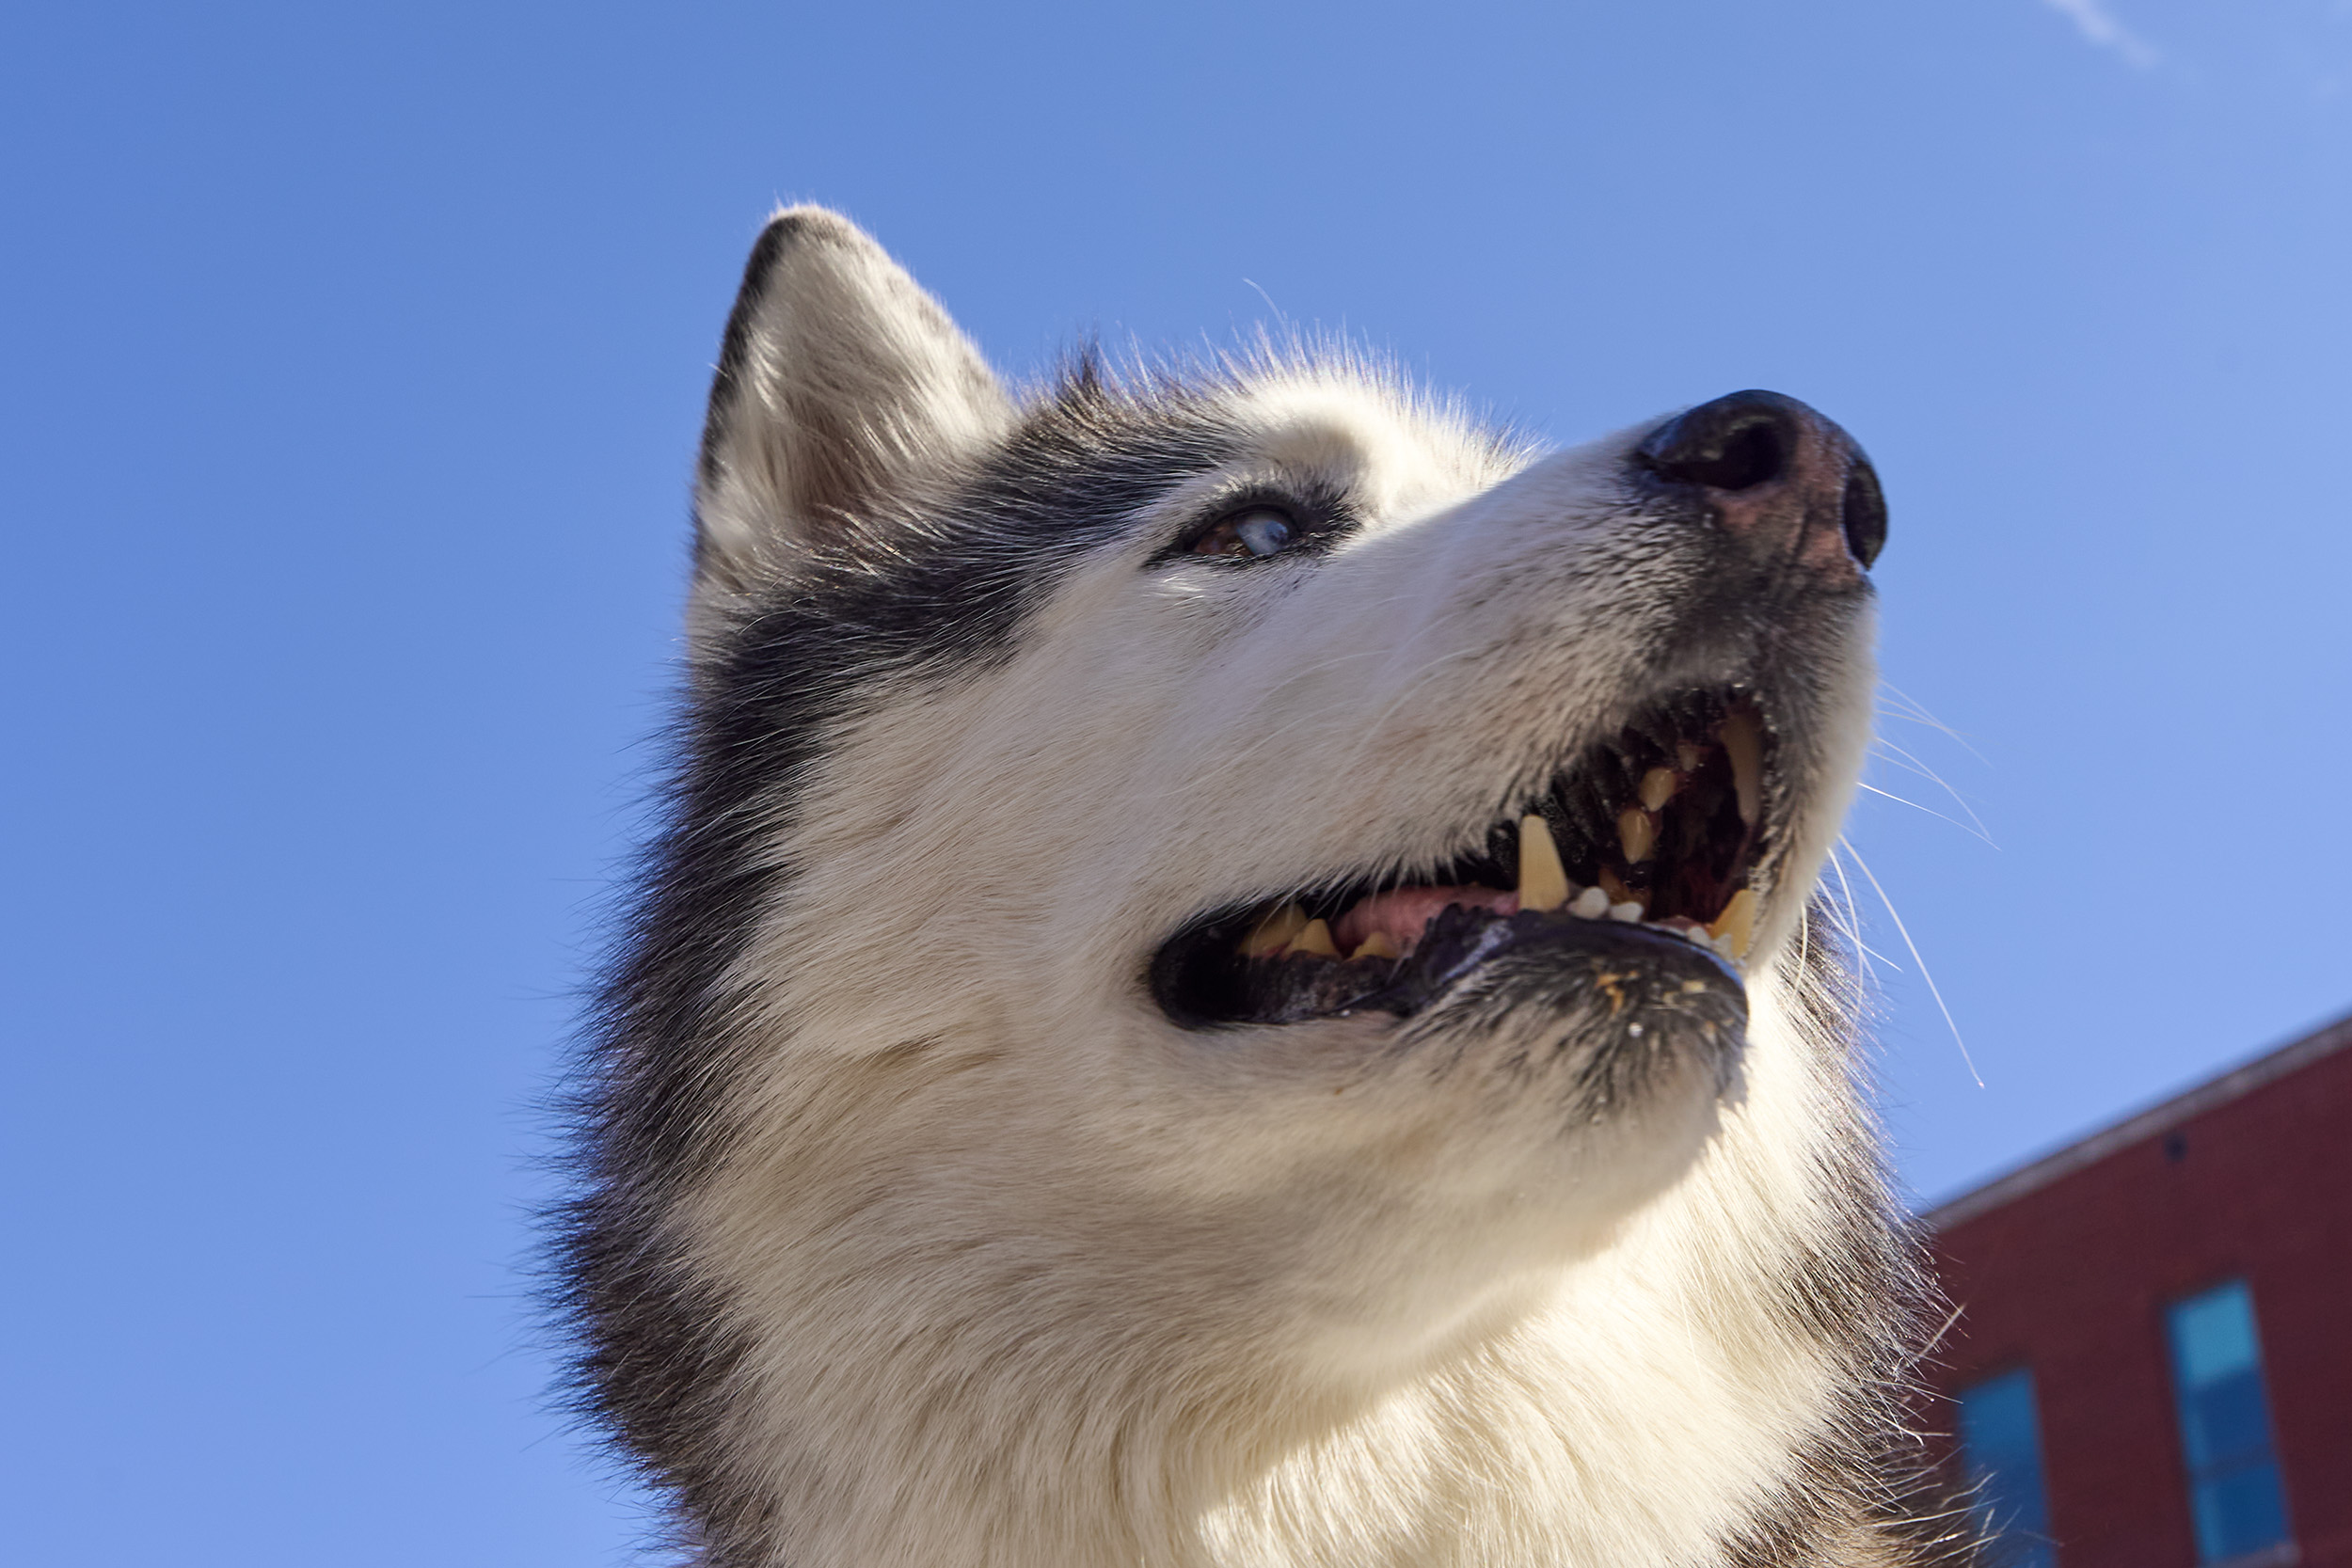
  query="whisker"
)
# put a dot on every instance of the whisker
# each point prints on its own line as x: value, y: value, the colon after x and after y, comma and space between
x: 1910, y: 763
x: 1864, y: 866
x: 1852, y: 927
x: 1978, y: 830
x: 1916, y: 712
x: 1879, y: 956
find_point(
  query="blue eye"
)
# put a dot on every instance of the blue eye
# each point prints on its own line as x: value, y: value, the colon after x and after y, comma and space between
x: 1260, y: 531
x: 1263, y: 532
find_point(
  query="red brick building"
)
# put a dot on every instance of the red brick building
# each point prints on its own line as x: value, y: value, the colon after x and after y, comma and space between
x: 2152, y: 1366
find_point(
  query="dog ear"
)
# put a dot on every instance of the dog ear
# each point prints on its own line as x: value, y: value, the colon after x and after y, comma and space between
x: 840, y: 386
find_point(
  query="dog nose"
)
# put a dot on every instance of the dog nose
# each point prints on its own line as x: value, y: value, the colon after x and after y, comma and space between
x: 1778, y: 475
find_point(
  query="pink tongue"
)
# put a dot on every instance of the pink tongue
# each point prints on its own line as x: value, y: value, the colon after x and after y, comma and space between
x: 1403, y: 913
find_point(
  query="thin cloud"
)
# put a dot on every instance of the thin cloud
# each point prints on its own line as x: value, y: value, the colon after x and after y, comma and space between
x: 2092, y: 19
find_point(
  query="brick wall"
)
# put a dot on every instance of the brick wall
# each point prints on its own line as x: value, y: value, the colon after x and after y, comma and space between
x: 2068, y: 1265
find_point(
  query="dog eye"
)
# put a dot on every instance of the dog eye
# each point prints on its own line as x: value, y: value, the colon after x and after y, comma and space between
x: 1257, y: 532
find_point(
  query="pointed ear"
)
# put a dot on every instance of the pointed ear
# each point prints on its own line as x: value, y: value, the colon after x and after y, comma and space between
x: 841, y: 386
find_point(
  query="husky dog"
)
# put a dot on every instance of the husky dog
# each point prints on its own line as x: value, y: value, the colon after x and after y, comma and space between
x: 1229, y: 980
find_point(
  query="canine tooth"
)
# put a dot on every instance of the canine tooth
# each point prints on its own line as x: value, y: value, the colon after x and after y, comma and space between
x: 1637, y: 834
x: 1377, y: 945
x: 1687, y: 756
x: 1735, y: 927
x: 1658, y: 788
x: 1316, y: 939
x: 1543, y: 880
x: 1591, y: 904
x: 1631, y: 912
x: 1743, y: 743
x: 1274, y: 931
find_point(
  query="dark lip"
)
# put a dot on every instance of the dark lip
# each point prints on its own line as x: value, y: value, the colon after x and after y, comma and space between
x: 1200, y: 980
x: 1199, y: 984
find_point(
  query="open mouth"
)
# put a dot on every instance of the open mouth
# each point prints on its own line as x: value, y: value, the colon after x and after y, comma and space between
x: 1650, y: 846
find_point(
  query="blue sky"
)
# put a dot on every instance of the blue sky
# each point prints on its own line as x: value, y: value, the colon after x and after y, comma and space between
x: 351, y: 359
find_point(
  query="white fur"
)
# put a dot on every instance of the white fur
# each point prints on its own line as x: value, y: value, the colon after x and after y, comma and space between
x: 1030, y: 1276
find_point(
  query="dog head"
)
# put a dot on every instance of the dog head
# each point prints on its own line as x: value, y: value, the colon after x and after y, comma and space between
x: 1231, y: 891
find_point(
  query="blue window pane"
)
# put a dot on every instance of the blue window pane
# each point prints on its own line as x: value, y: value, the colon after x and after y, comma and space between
x: 2239, y: 1511
x: 2225, y: 1421
x: 2233, y: 1485
x: 2000, y: 1443
x: 2213, y: 1335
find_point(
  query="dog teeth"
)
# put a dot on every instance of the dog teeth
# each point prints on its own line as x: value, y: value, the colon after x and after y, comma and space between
x: 1687, y: 756
x: 1743, y: 743
x: 1637, y: 834
x: 1543, y: 880
x: 1735, y: 928
x: 1316, y: 939
x: 1274, y: 932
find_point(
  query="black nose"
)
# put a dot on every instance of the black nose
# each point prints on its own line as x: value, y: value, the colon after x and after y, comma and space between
x: 1746, y: 443
x: 1863, y: 511
x: 1733, y: 443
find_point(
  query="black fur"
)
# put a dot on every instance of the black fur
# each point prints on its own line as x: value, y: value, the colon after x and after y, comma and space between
x: 947, y: 599
x: 899, y: 601
x: 735, y: 347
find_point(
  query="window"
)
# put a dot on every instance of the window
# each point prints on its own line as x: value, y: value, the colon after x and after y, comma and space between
x: 2225, y: 1425
x: 2000, y: 1443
